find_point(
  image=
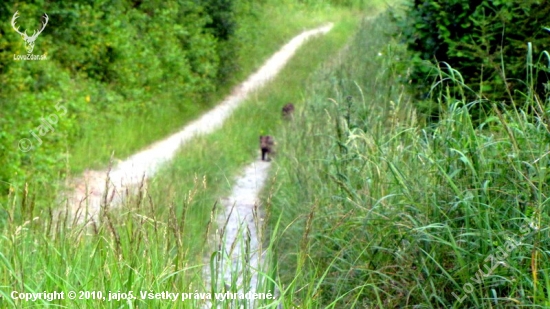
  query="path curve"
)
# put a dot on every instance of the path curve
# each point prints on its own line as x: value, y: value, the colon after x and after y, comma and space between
x: 89, y: 189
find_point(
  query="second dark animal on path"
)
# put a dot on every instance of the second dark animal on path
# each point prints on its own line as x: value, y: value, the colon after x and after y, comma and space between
x: 288, y: 111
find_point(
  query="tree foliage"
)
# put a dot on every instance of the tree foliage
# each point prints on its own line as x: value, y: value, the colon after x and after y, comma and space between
x: 485, y: 41
x: 106, y: 60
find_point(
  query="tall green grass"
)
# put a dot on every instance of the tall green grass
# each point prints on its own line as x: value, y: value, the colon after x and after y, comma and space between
x: 375, y: 209
x: 158, y: 240
x: 368, y: 206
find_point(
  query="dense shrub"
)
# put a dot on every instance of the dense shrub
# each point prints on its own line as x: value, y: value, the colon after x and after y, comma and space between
x: 106, y: 61
x: 486, y: 41
x: 223, y: 24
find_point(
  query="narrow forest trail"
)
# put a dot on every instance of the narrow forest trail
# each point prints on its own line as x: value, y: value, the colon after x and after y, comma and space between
x: 239, y: 221
x: 88, y: 190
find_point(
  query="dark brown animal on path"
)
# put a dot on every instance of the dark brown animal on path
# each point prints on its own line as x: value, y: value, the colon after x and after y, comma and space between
x: 288, y: 110
x: 266, y: 145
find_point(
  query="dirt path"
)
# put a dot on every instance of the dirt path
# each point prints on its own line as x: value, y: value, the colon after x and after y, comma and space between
x: 90, y: 188
x: 240, y: 217
x: 239, y: 237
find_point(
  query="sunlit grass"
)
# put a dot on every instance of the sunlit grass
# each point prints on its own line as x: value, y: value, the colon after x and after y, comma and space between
x: 157, y: 240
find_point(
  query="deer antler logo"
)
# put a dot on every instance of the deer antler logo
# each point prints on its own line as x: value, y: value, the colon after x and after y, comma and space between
x: 29, y: 40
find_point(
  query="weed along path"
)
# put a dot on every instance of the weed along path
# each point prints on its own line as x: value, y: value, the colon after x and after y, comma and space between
x: 89, y: 190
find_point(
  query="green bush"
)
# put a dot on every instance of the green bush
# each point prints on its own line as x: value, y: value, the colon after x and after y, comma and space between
x: 222, y: 24
x: 486, y: 41
x: 107, y: 62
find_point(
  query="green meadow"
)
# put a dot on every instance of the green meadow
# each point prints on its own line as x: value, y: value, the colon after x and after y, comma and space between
x: 369, y: 204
